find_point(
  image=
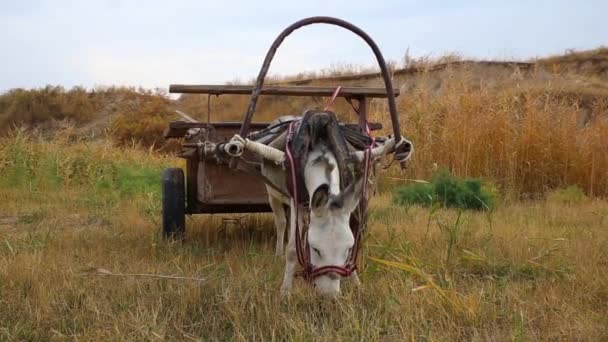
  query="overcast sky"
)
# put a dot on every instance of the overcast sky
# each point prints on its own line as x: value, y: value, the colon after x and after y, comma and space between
x: 154, y: 43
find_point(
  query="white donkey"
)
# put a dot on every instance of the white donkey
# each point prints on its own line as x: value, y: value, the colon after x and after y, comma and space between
x: 330, y: 238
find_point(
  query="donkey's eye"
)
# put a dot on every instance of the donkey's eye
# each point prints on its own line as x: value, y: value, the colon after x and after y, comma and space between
x: 317, y: 251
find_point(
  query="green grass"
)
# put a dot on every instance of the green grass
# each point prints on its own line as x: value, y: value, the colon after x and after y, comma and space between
x: 92, y: 167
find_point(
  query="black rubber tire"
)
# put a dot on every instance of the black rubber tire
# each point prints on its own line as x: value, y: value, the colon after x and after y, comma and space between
x: 174, y: 204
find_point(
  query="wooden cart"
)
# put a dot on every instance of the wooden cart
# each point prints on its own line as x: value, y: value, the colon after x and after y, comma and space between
x: 216, y: 183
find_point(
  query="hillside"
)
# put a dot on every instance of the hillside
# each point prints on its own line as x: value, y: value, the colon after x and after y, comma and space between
x: 579, y: 77
x: 591, y: 63
x: 529, y: 126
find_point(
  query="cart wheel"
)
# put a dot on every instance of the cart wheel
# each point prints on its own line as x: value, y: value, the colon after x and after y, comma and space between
x: 174, y: 202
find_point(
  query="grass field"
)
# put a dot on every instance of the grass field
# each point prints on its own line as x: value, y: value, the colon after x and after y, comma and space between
x: 72, y: 213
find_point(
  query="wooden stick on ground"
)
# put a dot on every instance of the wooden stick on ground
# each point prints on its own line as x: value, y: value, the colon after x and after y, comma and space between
x: 104, y: 272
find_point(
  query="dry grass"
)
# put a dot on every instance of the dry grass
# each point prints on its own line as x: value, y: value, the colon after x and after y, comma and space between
x: 532, y: 270
x: 593, y: 63
x: 529, y: 129
x: 125, y: 114
x: 526, y: 136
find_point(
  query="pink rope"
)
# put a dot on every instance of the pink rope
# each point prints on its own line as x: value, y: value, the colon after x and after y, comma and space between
x: 302, y: 260
x: 333, y: 98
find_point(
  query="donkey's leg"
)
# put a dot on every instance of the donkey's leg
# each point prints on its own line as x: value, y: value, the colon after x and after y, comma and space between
x: 290, y: 255
x: 280, y: 221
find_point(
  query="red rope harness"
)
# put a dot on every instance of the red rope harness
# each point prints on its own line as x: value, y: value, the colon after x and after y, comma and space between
x: 309, y: 272
x: 333, y: 98
x: 303, y: 260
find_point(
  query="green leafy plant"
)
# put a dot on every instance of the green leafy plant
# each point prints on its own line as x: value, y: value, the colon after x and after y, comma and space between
x: 449, y: 191
x: 452, y: 231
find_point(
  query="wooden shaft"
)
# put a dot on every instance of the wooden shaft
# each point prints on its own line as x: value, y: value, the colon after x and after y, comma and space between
x: 352, y: 92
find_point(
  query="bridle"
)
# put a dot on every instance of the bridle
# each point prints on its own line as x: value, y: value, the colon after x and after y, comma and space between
x: 308, y: 271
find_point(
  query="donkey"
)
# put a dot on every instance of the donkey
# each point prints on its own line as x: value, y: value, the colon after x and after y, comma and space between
x: 330, y: 239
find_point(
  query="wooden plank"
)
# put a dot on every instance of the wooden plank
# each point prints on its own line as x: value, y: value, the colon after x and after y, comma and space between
x: 178, y: 129
x: 227, y: 124
x: 352, y: 92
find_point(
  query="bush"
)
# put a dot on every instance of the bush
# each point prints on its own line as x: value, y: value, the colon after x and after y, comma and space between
x: 36, y: 107
x: 142, y: 120
x: 417, y: 193
x: 136, y: 116
x: 569, y: 195
x: 449, y: 191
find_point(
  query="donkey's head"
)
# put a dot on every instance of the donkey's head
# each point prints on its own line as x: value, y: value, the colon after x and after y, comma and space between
x: 330, y: 238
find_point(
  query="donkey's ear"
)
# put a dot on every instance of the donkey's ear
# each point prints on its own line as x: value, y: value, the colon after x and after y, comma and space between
x: 349, y: 198
x: 320, y: 197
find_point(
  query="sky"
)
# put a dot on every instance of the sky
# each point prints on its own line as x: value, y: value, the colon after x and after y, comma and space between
x: 155, y: 43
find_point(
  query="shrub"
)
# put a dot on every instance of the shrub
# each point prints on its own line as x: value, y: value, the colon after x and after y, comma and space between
x: 569, y: 195
x: 142, y: 120
x: 418, y: 193
x: 36, y: 107
x: 449, y: 191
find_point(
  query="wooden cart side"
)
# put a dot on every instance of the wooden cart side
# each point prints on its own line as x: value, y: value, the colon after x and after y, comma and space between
x: 212, y: 187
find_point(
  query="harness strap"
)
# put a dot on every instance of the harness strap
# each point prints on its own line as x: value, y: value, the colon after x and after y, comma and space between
x: 363, y: 203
